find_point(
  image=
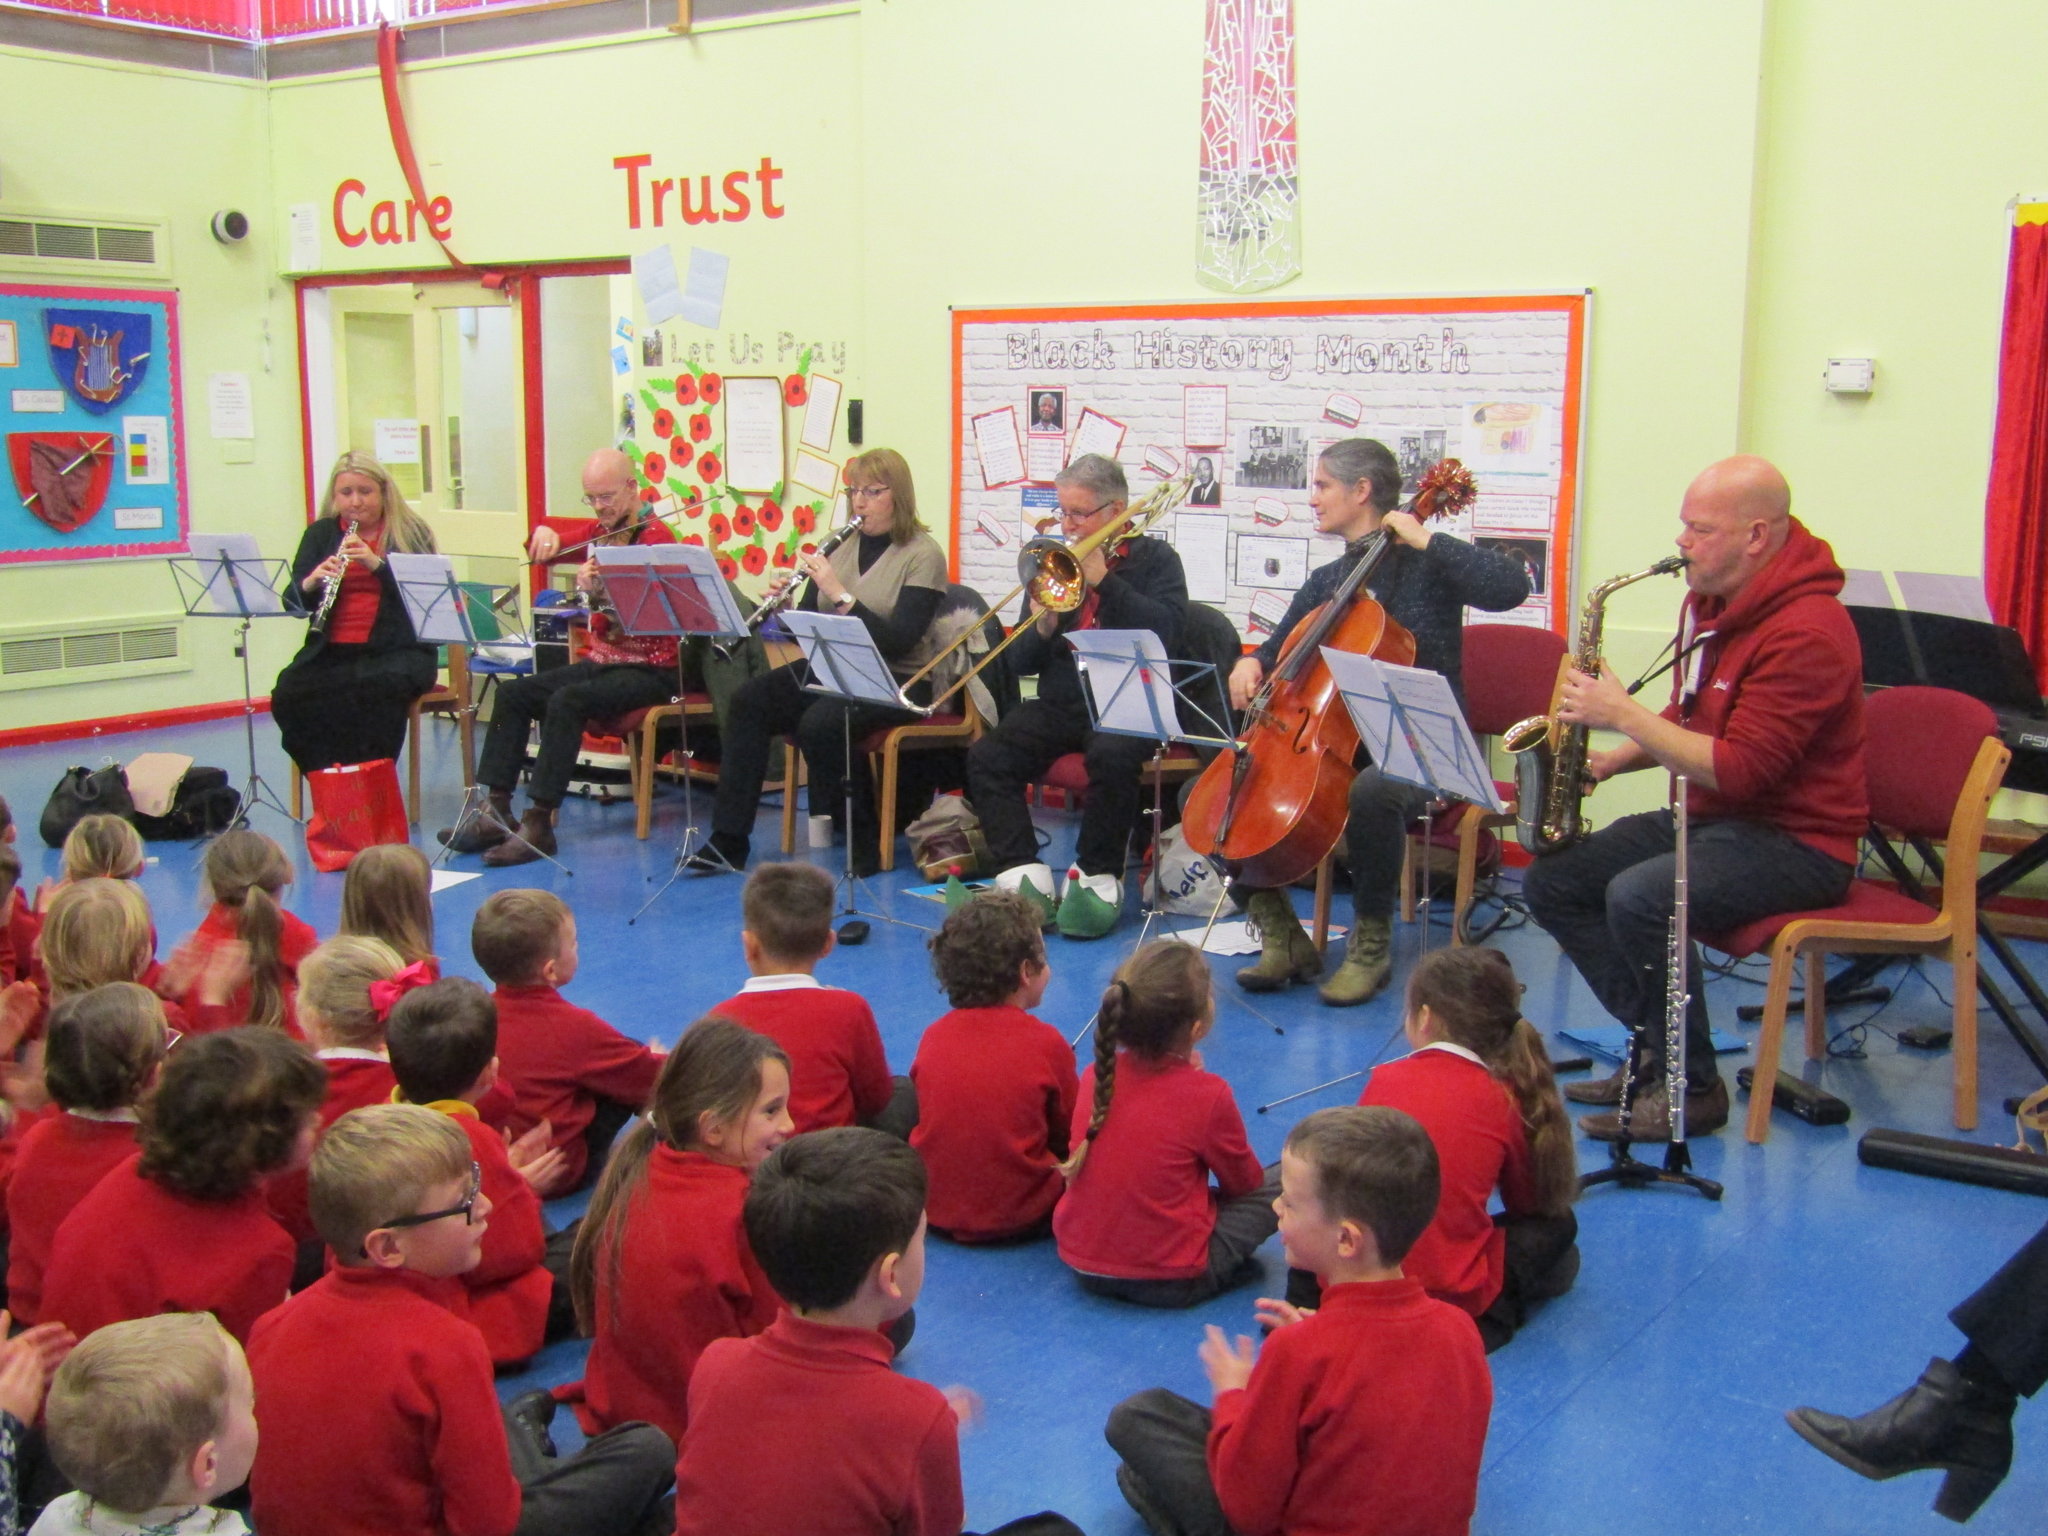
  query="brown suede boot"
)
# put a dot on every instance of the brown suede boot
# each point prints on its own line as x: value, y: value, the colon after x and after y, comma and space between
x: 536, y: 837
x: 1368, y: 962
x: 1286, y: 953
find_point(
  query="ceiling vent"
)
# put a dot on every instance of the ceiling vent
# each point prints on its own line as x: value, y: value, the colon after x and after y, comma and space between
x: 72, y: 243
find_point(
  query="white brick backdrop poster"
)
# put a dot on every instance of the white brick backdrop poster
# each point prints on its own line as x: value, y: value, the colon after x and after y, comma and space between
x: 1248, y: 394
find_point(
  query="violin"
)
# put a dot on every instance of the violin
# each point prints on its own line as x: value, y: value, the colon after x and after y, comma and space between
x: 1273, y: 804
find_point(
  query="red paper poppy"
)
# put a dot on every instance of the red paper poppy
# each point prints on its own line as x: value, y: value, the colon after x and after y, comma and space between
x: 664, y: 423
x: 709, y: 388
x: 781, y: 557
x: 654, y: 467
x: 743, y: 522
x: 650, y: 493
x: 700, y: 428
x: 808, y: 548
x: 686, y: 390
x: 680, y: 450
x: 721, y: 528
x: 694, y: 538
x: 727, y: 568
x: 755, y: 559
x: 770, y: 515
x: 708, y: 467
x: 691, y: 496
x: 805, y: 518
x: 795, y: 391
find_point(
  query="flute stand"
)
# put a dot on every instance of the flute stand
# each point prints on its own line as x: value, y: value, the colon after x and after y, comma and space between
x: 225, y: 577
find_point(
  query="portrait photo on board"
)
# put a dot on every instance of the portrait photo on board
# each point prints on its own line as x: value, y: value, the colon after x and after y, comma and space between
x: 1045, y: 410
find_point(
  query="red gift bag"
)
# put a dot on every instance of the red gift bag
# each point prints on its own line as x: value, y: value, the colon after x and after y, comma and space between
x: 355, y: 806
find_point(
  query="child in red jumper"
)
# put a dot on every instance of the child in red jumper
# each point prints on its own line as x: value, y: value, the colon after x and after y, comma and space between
x: 566, y: 1067
x: 182, y: 1227
x: 99, y: 931
x: 995, y: 1086
x: 102, y: 847
x: 19, y: 923
x: 838, y: 1221
x: 1140, y: 1220
x: 444, y: 1041
x: 378, y: 1411
x: 245, y: 873
x: 1479, y: 1082
x: 837, y: 1072
x: 105, y: 1047
x: 1369, y: 1414
x: 388, y: 894
x: 662, y: 1266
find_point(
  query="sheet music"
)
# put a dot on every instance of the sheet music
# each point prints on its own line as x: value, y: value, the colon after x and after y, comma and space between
x: 238, y: 579
x: 843, y: 658
x: 433, y: 599
x: 1411, y: 723
x: 1130, y: 681
x: 669, y: 589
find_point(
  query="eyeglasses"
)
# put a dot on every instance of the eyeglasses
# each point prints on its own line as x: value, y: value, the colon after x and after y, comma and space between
x: 1075, y: 517
x: 869, y: 492
x: 607, y: 499
x: 466, y: 1210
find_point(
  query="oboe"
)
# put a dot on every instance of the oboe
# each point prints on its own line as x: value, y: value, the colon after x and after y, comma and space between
x: 330, y: 590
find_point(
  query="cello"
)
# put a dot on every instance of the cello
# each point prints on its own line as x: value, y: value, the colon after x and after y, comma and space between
x: 1271, y: 805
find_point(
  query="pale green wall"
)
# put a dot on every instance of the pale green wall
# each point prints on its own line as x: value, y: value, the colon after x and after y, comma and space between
x: 1748, y: 187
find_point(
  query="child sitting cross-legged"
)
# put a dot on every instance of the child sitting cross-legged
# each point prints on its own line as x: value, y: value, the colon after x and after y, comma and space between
x: 444, y: 1052
x: 182, y: 1226
x: 567, y: 1069
x: 837, y: 1218
x: 244, y: 874
x: 995, y: 1085
x: 1368, y: 1414
x: 104, y: 1050
x: 379, y: 1415
x: 102, y: 847
x: 150, y: 1419
x: 1140, y: 1220
x: 662, y: 1266
x: 19, y: 922
x: 388, y: 894
x: 837, y: 1072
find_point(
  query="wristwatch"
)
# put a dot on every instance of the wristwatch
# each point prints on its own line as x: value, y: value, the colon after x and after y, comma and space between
x: 844, y: 602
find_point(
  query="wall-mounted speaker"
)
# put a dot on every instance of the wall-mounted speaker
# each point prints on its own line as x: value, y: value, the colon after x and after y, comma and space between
x: 230, y: 227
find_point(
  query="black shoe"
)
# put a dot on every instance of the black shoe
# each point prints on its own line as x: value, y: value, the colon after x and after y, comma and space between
x: 1138, y: 1494
x: 719, y: 855
x: 1943, y: 1420
x: 536, y: 840
x: 535, y: 1411
x: 1706, y: 1111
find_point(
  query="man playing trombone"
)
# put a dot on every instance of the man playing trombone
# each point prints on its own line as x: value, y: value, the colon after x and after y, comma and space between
x: 619, y: 673
x: 1133, y: 584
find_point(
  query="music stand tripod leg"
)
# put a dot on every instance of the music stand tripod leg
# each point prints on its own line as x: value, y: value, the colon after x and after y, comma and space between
x: 255, y: 790
x: 849, y: 882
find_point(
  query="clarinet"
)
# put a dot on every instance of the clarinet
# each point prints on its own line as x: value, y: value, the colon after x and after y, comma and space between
x: 330, y: 590
x: 1677, y: 992
x: 790, y: 595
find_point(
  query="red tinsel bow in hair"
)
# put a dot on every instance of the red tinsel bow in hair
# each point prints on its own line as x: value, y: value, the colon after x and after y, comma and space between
x: 384, y: 995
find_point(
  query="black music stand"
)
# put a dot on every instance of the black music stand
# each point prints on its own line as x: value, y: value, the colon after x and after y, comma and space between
x: 844, y: 664
x: 678, y: 590
x: 225, y: 577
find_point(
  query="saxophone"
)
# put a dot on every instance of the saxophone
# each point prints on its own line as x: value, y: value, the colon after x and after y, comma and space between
x: 1550, y: 756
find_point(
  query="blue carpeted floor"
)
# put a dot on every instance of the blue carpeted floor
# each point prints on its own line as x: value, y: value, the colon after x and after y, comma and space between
x: 1648, y: 1399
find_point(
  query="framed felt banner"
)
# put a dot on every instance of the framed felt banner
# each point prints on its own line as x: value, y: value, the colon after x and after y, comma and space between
x: 93, y: 421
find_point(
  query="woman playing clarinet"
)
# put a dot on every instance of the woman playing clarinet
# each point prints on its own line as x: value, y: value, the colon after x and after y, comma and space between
x: 347, y: 696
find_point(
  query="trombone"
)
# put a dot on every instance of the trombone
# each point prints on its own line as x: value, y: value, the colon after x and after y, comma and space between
x: 1049, y: 569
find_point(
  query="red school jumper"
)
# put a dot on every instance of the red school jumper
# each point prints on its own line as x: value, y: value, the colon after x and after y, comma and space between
x: 61, y: 1160
x: 508, y: 1291
x: 295, y: 942
x: 837, y: 1072
x: 133, y: 1248
x: 1476, y: 1128
x: 379, y: 1414
x: 1141, y: 1207
x: 356, y: 1079
x: 858, y: 1450
x: 558, y: 1059
x: 1369, y: 1415
x: 995, y: 1093
x: 686, y: 1277
x: 18, y: 936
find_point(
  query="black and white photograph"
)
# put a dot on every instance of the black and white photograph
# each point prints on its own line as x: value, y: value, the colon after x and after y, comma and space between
x: 1534, y: 555
x: 1208, y: 490
x: 1045, y: 410
x: 1274, y: 458
x: 1417, y: 452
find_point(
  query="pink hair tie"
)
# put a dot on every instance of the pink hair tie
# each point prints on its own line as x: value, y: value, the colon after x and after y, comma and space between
x: 384, y: 995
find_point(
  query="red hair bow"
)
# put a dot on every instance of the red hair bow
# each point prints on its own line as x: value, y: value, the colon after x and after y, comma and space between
x: 384, y: 995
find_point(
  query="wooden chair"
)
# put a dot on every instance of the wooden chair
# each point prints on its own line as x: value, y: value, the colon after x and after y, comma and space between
x: 641, y: 747
x: 451, y: 695
x: 1933, y: 761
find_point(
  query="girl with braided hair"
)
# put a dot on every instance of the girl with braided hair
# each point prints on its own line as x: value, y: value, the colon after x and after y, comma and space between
x: 1141, y: 1221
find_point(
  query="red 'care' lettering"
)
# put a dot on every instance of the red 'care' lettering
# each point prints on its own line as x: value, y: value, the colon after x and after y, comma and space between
x: 383, y: 225
x: 649, y: 199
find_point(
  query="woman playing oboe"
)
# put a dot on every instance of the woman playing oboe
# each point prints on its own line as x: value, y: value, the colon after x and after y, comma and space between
x: 346, y: 697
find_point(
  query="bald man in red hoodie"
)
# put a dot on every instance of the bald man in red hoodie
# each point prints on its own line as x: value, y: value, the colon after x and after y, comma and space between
x: 1766, y: 723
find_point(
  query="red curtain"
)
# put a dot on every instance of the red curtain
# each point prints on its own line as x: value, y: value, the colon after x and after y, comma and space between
x: 2016, y: 510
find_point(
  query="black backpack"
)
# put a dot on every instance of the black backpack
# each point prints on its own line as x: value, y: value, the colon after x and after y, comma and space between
x: 205, y: 804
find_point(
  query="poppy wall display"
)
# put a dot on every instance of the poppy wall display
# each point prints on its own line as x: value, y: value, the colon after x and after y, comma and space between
x: 91, y: 412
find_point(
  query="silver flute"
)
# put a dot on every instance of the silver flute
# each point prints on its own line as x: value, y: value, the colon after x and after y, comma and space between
x: 330, y: 590
x: 1677, y: 981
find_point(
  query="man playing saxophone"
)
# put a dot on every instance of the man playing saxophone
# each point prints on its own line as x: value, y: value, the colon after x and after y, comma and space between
x: 1766, y: 722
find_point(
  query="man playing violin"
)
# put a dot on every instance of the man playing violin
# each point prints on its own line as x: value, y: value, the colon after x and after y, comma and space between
x: 619, y: 673
x: 1136, y: 584
x: 1425, y: 583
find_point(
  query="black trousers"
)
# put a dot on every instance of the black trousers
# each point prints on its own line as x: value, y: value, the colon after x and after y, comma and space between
x: 1163, y: 1439
x: 2006, y: 1318
x: 899, y: 1116
x: 339, y: 704
x: 617, y: 1485
x: 1023, y: 745
x: 776, y: 704
x: 1241, y: 1226
x: 562, y: 700
x: 1375, y: 838
x: 1607, y: 901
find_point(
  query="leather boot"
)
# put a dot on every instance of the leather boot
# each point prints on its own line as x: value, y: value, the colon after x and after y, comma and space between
x: 536, y: 837
x: 488, y: 828
x: 1368, y: 962
x: 1943, y: 1420
x: 1286, y: 953
x: 1706, y: 1111
x: 1595, y: 1090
